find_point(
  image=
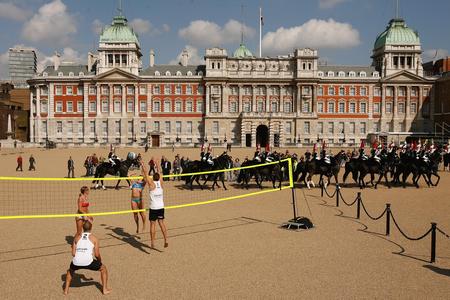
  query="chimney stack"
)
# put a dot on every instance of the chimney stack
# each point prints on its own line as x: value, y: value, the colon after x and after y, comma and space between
x: 90, y: 61
x: 152, y: 58
x: 184, y: 58
x: 56, y: 60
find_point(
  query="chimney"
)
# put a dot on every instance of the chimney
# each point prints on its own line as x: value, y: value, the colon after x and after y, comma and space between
x: 184, y: 58
x: 90, y: 61
x: 56, y: 60
x: 152, y: 58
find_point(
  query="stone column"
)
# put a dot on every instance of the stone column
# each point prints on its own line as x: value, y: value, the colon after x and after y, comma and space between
x: 298, y: 104
x: 419, y: 104
x: 207, y: 99
x: 240, y: 103
x: 254, y: 99
x: 33, y: 120
x: 268, y: 108
x: 136, y: 101
x: 124, y: 100
x: 98, y: 100
x: 111, y: 100
x: 395, y: 103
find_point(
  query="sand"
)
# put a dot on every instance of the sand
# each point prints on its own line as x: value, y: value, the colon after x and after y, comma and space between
x: 236, y: 249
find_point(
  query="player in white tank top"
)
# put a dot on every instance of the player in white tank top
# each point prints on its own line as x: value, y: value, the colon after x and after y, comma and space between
x: 157, y: 196
x: 84, y: 251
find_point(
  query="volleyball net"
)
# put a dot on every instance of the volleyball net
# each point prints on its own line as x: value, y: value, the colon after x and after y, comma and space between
x: 25, y: 198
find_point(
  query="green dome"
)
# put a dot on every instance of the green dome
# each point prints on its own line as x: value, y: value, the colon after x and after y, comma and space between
x: 242, y: 52
x: 397, y: 33
x: 119, y: 32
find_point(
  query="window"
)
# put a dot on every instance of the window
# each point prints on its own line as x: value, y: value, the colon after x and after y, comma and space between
x: 167, y: 89
x: 167, y: 106
x: 330, y: 74
x: 389, y: 91
x: 388, y: 107
x: 342, y: 107
x: 320, y: 127
x: 341, y: 91
x: 124, y: 59
x: 156, y: 126
x: 92, y: 126
x: 199, y: 105
x: 178, y: 106
x: 215, y: 127
x: 234, y: 90
x: 92, y: 90
x: 142, y: 90
x: 105, y: 90
x: 117, y: 127
x: 274, y: 90
x: 130, y: 90
x: 59, y: 107
x: 168, y: 129
x: 352, y: 74
x: 156, y: 106
x: 200, y: 90
x: 44, y: 91
x: 362, y: 128
x: 362, y: 74
x: 287, y: 106
x: 215, y: 106
x: 69, y: 106
x: 188, y: 90
x: 92, y: 106
x: 352, y: 91
x: 189, y: 127
x: 426, y: 92
x: 44, y: 106
x: 331, y: 91
x: 105, y: 106
x: 331, y: 107
x: 247, y: 106
x: 274, y: 106
x: 156, y: 90
x: 80, y: 106
x: 288, y: 127
x: 341, y: 127
x: 130, y: 106
x: 306, y: 106
x: 363, y: 91
x: 376, y: 108
x: 80, y: 127
x: 59, y: 127
x: 248, y: 91
x: 320, y: 107
x: 260, y: 106
x: 117, y: 106
x: 352, y: 127
x: 178, y: 127
x: 215, y: 89
x: 401, y: 108
x: 413, y: 107
x: 189, y: 107
x: 80, y: 90
x: 352, y: 107
x: 105, y: 127
x: 117, y: 90
x: 306, y: 90
x: 330, y: 127
x: 362, y: 107
x: 307, y: 127
x: 341, y: 74
x: 130, y: 127
x: 143, y: 106
x: 376, y: 127
x: 233, y: 106
x: 401, y: 91
x: 143, y: 127
x: 69, y: 90
x: 178, y: 90
x: 377, y: 92
x: 320, y: 91
x: 58, y: 90
x: 414, y: 92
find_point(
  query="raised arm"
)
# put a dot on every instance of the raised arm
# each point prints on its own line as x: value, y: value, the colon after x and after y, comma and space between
x: 148, y: 179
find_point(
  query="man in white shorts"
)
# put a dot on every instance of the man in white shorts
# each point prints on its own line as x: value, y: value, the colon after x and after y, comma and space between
x: 84, y: 247
x: 156, y: 205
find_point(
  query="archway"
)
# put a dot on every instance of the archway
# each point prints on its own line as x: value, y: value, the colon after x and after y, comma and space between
x: 262, y: 135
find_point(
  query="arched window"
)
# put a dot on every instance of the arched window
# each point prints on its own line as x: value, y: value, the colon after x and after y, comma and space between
x: 274, y: 106
x: 71, y: 74
x: 189, y: 73
x: 178, y: 106
x: 200, y: 73
x: 189, y: 106
x: 341, y: 74
x: 178, y: 73
x: 168, y: 73
x: 233, y: 106
x: 352, y: 74
x: 81, y: 74
x: 330, y: 106
x: 60, y: 74
x: 376, y: 74
x: 304, y: 66
x: 167, y: 106
x: 156, y: 106
x: 45, y: 74
x: 287, y: 106
x: 213, y: 65
x: 320, y: 74
x: 260, y: 106
x: 157, y: 73
x: 362, y: 74
x: 218, y: 65
x: 309, y: 66
x: 330, y: 74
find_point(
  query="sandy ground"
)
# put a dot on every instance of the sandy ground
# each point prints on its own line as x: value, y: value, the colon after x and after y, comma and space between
x: 236, y: 249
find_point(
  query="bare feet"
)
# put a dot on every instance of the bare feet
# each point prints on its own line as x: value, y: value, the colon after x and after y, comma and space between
x: 106, y: 291
x: 152, y: 246
x: 65, y: 292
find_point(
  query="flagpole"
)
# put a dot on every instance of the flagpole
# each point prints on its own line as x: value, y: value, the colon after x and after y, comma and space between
x: 260, y: 32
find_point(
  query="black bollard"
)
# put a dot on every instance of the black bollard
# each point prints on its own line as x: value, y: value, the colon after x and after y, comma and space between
x: 337, y: 195
x: 358, y: 206
x: 433, y: 242
x: 388, y: 218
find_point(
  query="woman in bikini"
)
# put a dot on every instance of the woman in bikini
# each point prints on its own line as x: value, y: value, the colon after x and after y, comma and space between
x: 83, y: 205
x: 136, y: 202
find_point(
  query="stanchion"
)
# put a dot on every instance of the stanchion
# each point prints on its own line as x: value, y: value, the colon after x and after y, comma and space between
x: 433, y: 242
x: 358, y: 206
x: 388, y: 218
x: 337, y: 195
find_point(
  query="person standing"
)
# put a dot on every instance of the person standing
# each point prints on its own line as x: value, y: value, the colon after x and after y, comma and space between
x: 151, y: 164
x: 84, y: 248
x: 32, y: 161
x: 71, y: 168
x: 19, y: 163
x: 166, y: 167
x: 82, y: 204
x: 176, y: 167
x: 136, y: 202
x: 156, y: 206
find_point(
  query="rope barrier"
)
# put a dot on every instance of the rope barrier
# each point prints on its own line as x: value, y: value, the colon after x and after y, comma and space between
x: 343, y: 200
x: 367, y: 213
x: 326, y: 192
x: 446, y: 235
x: 406, y: 236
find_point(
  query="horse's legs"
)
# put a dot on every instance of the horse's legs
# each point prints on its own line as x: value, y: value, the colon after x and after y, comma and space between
x: 117, y: 185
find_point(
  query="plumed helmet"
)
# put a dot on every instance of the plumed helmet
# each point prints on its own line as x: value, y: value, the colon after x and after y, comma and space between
x: 131, y: 156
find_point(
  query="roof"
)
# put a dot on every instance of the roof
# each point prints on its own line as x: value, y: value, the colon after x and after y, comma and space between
x: 66, y: 69
x: 242, y: 52
x: 119, y: 31
x: 347, y: 69
x: 173, y: 69
x: 397, y: 33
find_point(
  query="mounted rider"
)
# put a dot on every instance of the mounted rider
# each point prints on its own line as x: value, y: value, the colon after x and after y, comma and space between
x: 257, y: 155
x: 207, y: 157
x: 112, y: 157
x: 267, y: 154
x: 391, y: 146
x: 324, y: 155
x: 202, y: 152
x: 362, y: 154
x: 376, y: 152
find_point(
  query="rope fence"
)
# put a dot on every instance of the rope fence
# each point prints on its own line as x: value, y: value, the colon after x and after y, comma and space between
x: 389, y: 216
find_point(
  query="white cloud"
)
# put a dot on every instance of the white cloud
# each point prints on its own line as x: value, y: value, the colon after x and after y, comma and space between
x: 434, y: 54
x: 207, y: 33
x: 194, y: 57
x: 51, y: 24
x: 330, y: 3
x: 97, y: 26
x: 314, y: 33
x: 4, y: 69
x: 142, y: 27
x: 67, y: 55
x: 166, y: 27
x: 9, y: 10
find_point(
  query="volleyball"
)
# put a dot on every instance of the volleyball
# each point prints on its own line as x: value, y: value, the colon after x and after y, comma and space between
x: 131, y: 156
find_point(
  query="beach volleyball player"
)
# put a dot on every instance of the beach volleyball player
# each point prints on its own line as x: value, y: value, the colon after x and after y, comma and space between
x: 156, y: 204
x: 137, y: 203
x: 83, y: 208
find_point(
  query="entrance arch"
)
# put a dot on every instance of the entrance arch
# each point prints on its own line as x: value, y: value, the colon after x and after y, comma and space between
x: 262, y: 135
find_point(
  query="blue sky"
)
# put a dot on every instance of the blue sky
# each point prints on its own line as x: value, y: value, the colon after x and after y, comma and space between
x: 342, y: 30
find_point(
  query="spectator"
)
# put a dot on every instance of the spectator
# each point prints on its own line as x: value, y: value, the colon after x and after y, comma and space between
x: 94, y: 165
x: 166, y: 167
x: 146, y: 148
x: 182, y: 163
x: 152, y: 165
x: 176, y: 167
x: 229, y: 147
x: 236, y: 164
x: 19, y: 163
x: 71, y: 167
x: 32, y: 161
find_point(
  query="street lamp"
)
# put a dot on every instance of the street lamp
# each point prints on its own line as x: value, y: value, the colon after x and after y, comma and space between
x: 225, y: 139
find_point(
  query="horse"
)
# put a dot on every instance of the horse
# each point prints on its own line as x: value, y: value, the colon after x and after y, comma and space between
x: 320, y: 167
x: 222, y: 162
x: 373, y: 166
x: 120, y: 167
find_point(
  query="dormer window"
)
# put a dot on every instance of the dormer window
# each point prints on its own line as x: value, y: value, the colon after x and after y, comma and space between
x: 320, y: 74
x: 157, y: 73
x: 330, y: 74
x: 81, y: 74
x: 168, y: 73
x: 60, y: 74
x: 352, y: 74
x: 189, y: 73
x: 341, y: 74
x: 71, y: 74
x: 45, y: 74
x: 178, y: 73
x: 375, y: 74
x: 362, y: 74
x: 200, y: 73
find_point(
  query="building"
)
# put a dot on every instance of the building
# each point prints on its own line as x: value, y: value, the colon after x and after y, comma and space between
x: 442, y: 107
x: 22, y: 64
x: 438, y: 67
x: 17, y: 110
x: 282, y: 101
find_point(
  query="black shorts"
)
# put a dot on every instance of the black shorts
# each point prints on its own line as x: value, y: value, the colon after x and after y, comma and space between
x: 94, y: 266
x: 156, y: 214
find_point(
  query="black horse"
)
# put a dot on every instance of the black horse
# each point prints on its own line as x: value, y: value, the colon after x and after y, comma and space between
x: 372, y: 166
x: 222, y: 162
x: 320, y: 167
x: 120, y: 168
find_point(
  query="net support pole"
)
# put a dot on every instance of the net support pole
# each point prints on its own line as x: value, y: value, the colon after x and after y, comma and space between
x: 358, y: 206
x: 337, y: 195
x: 433, y: 242
x: 388, y: 218
x: 294, y: 206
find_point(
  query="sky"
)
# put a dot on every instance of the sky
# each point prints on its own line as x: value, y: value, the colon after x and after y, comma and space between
x: 342, y: 30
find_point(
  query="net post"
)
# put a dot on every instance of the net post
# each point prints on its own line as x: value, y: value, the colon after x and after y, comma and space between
x: 321, y: 190
x: 291, y: 184
x: 433, y: 242
x: 337, y: 194
x: 388, y: 218
x: 358, y: 206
